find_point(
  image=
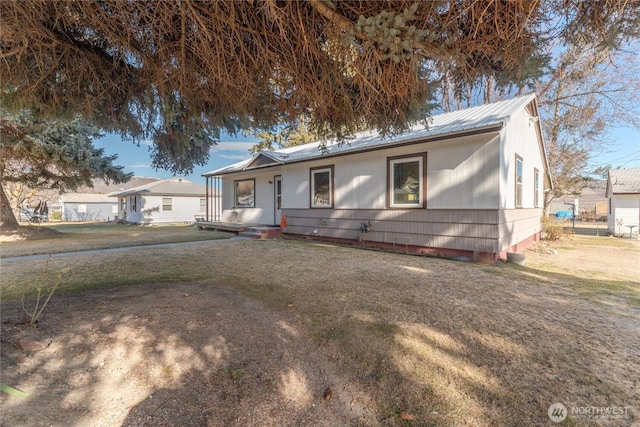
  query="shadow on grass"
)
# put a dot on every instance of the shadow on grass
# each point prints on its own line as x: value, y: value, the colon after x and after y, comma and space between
x: 400, y: 340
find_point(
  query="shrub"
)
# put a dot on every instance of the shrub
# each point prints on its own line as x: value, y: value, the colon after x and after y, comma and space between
x: 46, y: 289
x: 551, y: 228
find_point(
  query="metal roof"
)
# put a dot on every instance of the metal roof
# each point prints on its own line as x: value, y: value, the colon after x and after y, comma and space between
x: 165, y: 187
x: 453, y: 123
x: 625, y: 181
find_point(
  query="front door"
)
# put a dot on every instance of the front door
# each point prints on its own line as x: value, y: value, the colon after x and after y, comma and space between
x: 277, y: 199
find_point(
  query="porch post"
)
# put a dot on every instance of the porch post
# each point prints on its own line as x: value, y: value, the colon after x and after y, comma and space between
x: 206, y: 209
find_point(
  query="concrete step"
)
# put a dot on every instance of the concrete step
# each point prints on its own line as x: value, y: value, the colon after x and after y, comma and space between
x: 261, y: 232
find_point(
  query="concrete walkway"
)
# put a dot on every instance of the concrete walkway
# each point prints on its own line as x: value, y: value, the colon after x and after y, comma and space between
x: 127, y: 248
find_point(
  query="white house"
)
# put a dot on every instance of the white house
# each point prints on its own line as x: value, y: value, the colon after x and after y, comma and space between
x: 471, y: 181
x: 165, y: 201
x: 85, y: 207
x: 623, y: 192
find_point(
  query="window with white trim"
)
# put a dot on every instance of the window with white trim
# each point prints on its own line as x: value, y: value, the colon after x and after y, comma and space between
x: 536, y: 188
x: 406, y: 182
x: 203, y: 205
x: 167, y: 204
x: 322, y: 187
x: 132, y: 204
x: 518, y: 177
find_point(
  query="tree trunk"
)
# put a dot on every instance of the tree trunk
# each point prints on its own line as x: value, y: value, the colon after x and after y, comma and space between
x: 7, y: 217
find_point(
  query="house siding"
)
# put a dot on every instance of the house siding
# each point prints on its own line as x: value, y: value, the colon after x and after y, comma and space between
x: 94, y: 211
x: 183, y: 209
x: 625, y: 207
x: 462, y: 173
x: 264, y: 212
x: 456, y: 229
x: 518, y: 228
x: 525, y: 144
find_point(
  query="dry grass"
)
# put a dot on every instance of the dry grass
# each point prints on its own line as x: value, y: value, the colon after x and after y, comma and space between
x: 70, y: 237
x: 446, y: 342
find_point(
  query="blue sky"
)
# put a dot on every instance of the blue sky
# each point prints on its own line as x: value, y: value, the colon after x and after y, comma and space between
x: 137, y: 159
x: 623, y: 152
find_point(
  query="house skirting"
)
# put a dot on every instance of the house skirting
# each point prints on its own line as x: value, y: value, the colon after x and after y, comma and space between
x: 481, y: 234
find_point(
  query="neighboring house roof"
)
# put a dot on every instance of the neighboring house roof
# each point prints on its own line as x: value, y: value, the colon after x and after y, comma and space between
x: 165, y: 187
x: 482, y: 118
x: 623, y: 181
x: 99, y: 186
x: 85, y: 198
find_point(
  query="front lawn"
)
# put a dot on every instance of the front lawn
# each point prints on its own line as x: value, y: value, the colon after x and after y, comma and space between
x: 259, y: 332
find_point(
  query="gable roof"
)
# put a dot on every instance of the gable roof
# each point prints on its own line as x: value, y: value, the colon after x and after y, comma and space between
x: 457, y: 123
x: 165, y: 187
x: 623, y: 181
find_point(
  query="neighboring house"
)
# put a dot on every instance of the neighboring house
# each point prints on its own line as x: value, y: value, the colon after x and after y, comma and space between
x: 86, y: 207
x: 470, y: 182
x: 623, y: 192
x: 592, y: 202
x: 165, y: 201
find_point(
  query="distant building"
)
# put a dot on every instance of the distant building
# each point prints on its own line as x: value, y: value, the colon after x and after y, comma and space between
x: 623, y: 192
x: 592, y: 202
x: 165, y: 201
x: 85, y: 207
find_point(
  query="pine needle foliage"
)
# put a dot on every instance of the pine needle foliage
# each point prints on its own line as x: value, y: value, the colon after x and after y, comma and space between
x: 181, y: 72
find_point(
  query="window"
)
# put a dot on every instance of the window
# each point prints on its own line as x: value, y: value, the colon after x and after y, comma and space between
x: 322, y: 187
x: 114, y: 209
x: 278, y: 181
x: 245, y: 193
x: 518, y: 181
x: 82, y: 208
x: 406, y: 182
x: 203, y: 205
x: 536, y: 188
x: 132, y: 203
x: 167, y: 204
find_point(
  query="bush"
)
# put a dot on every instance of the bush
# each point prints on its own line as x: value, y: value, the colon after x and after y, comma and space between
x: 56, y: 216
x: 551, y: 228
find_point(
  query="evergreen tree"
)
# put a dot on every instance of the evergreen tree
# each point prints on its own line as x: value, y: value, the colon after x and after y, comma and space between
x: 50, y: 154
x: 179, y: 73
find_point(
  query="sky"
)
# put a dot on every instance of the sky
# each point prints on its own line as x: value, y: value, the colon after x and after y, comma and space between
x: 624, y: 152
x: 137, y: 159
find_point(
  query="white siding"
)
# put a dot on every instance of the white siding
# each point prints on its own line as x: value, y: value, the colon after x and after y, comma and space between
x: 264, y: 210
x: 521, y: 134
x: 359, y: 182
x: 183, y: 209
x: 625, y: 207
x: 461, y: 174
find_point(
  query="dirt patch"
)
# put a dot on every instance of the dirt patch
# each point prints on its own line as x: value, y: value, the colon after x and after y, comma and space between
x: 400, y: 340
x: 172, y: 355
x: 26, y: 232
